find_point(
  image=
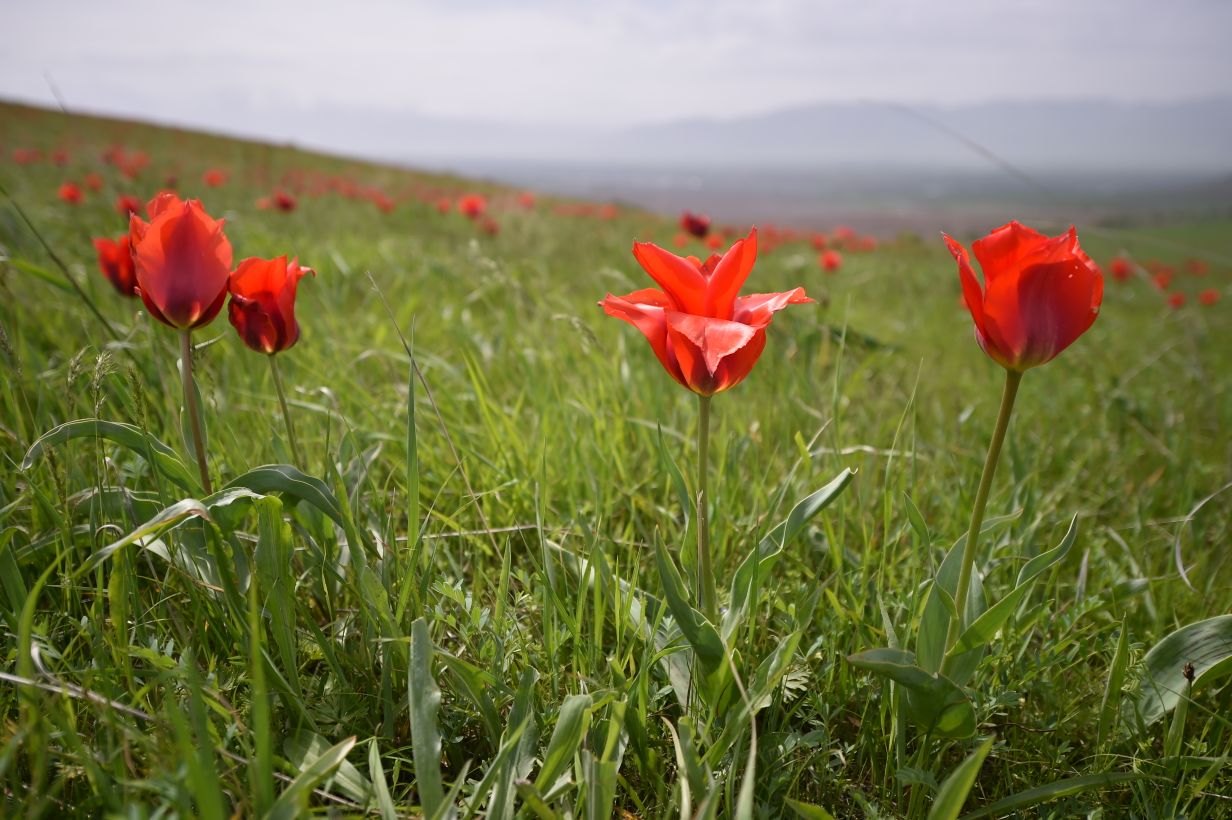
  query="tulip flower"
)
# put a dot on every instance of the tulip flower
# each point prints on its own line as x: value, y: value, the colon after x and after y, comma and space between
x: 695, y: 224
x: 1176, y: 300
x: 831, y: 260
x: 707, y: 338
x: 214, y: 177
x: 1121, y: 269
x: 94, y: 181
x: 262, y: 310
x: 126, y: 204
x: 527, y: 200
x: 183, y: 262
x: 472, y: 206
x: 70, y: 192
x: 262, y: 307
x: 1208, y: 297
x: 115, y: 260
x: 1040, y: 294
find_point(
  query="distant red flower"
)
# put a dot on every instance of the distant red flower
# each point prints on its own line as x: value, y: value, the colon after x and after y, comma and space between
x: 1197, y: 267
x: 71, y: 193
x: 1040, y: 293
x: 526, y: 199
x: 714, y: 241
x: 133, y: 164
x: 183, y: 261
x: 126, y: 204
x: 444, y: 205
x: 866, y: 243
x: 706, y: 336
x: 608, y: 211
x: 489, y: 226
x: 278, y: 201
x: 214, y: 177
x: 262, y: 307
x: 831, y: 260
x: 115, y: 260
x: 1120, y: 268
x: 26, y: 156
x: 472, y: 206
x: 1209, y: 296
x: 819, y: 241
x: 60, y: 156
x: 680, y: 240
x: 383, y: 203
x: 1176, y: 300
x: 1163, y: 278
x: 93, y: 181
x: 696, y: 224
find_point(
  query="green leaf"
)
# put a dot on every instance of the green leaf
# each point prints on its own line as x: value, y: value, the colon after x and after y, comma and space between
x: 697, y: 630
x: 384, y: 801
x: 755, y: 568
x: 424, y: 697
x: 981, y: 633
x: 807, y: 811
x: 1110, y: 706
x: 1053, y: 791
x: 954, y: 790
x: 177, y: 512
x: 1205, y: 644
x: 571, y: 724
x: 293, y: 802
x: 53, y: 279
x: 162, y: 457
x: 935, y: 704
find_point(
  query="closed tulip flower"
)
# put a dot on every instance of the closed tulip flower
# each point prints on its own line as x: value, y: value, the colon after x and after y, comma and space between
x: 115, y: 260
x: 262, y: 304
x: 1040, y: 293
x: 705, y: 336
x: 183, y: 261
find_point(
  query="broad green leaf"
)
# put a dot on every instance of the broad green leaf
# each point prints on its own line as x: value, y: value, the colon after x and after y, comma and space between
x: 1053, y: 791
x: 1205, y: 644
x: 807, y: 811
x: 934, y: 703
x: 571, y: 724
x: 981, y: 633
x: 955, y: 788
x: 1110, y: 707
x: 699, y: 632
x: 424, y: 697
x: 162, y: 457
x: 754, y: 569
x: 177, y: 512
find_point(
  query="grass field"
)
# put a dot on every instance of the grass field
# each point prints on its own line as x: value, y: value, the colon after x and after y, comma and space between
x: 496, y: 537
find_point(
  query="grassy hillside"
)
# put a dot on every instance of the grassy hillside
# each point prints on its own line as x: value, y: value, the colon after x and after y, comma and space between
x: 512, y: 512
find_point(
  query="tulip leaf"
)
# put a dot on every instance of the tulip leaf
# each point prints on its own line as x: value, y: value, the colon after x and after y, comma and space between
x: 285, y: 479
x: 571, y: 725
x: 1207, y: 645
x: 697, y: 630
x: 980, y: 633
x: 424, y: 699
x: 168, y: 517
x: 1053, y: 791
x: 935, y: 704
x: 162, y: 457
x: 756, y: 566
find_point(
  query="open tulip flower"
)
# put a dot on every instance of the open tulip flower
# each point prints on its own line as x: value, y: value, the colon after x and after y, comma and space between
x: 706, y: 336
x: 1040, y: 293
x: 262, y: 307
x: 182, y: 260
x: 115, y: 260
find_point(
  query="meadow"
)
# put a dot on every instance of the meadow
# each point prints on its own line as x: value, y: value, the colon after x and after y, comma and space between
x: 457, y: 603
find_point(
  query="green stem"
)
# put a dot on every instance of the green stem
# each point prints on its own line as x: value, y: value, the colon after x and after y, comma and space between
x: 286, y: 411
x: 706, y: 594
x: 194, y: 412
x: 1012, y: 380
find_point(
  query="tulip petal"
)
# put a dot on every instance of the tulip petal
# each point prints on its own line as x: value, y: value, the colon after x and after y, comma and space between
x: 735, y: 367
x: 645, y: 310
x: 972, y: 293
x: 714, y: 339
x: 758, y: 309
x: 1056, y: 304
x: 728, y: 275
x: 680, y: 279
x: 1008, y: 248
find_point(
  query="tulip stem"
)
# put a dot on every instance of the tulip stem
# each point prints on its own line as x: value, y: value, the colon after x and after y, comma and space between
x: 286, y: 411
x: 194, y: 412
x: 706, y: 594
x: 1012, y: 380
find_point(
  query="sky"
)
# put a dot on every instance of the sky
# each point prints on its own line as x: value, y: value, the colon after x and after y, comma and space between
x: 600, y: 64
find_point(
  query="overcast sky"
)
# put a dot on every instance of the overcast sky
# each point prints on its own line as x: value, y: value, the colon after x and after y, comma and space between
x: 602, y: 63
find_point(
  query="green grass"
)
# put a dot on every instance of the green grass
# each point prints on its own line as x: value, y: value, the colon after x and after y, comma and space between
x: 491, y: 540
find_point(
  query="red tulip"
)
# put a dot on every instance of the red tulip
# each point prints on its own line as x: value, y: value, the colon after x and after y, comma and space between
x: 262, y: 306
x: 183, y: 261
x: 444, y: 205
x: 1040, y: 293
x: 71, y: 193
x: 527, y: 200
x: 472, y: 206
x: 60, y: 156
x: 489, y: 226
x: 680, y: 240
x: 831, y: 260
x: 115, y: 260
x: 1163, y: 278
x: 1176, y: 300
x: 696, y: 224
x: 1197, y: 267
x: 94, y: 181
x: 1209, y: 296
x: 819, y: 241
x: 214, y: 177
x: 705, y: 336
x: 608, y: 211
x: 1121, y: 269
x: 127, y: 204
